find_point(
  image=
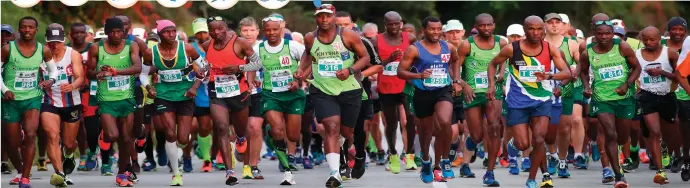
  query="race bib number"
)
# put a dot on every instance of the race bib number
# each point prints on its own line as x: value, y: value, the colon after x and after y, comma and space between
x: 174, y: 75
x: 285, y: 61
x: 527, y: 73
x: 653, y: 79
x: 439, y: 78
x: 227, y: 86
x: 25, y: 80
x: 280, y: 80
x: 611, y: 73
x: 93, y: 87
x: 481, y: 80
x: 118, y: 83
x: 328, y: 67
x: 391, y: 69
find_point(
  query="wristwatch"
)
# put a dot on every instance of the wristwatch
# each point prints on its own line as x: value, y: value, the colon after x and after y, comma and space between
x: 352, y: 71
x: 550, y: 77
x: 456, y: 81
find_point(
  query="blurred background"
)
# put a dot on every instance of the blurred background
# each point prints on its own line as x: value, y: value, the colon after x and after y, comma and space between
x: 299, y: 14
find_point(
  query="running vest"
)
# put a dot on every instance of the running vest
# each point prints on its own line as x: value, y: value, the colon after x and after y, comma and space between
x: 115, y: 88
x: 658, y: 85
x: 89, y: 110
x: 567, y: 90
x: 680, y: 93
x: 389, y: 81
x: 523, y: 90
x: 226, y: 85
x: 175, y: 77
x: 329, y: 59
x: 279, y: 67
x: 610, y: 70
x: 56, y: 97
x: 201, y: 99
x: 438, y: 64
x: 476, y: 65
x: 21, y: 73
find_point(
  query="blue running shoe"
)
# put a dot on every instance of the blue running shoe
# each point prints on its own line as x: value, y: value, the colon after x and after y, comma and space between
x: 563, y: 169
x: 489, y: 179
x: 595, y: 151
x: 531, y: 184
x: 426, y: 173
x: 446, y: 169
x: 268, y: 153
x: 480, y: 151
x: 306, y: 163
x: 551, y: 164
x: 187, y: 164
x: 513, y: 167
x: 298, y: 155
x: 580, y: 162
x: 318, y: 157
x: 571, y: 154
x: 526, y: 164
x: 607, y: 175
x: 149, y: 165
x: 512, y: 150
x: 469, y: 144
x: 91, y: 160
x: 466, y: 172
x: 162, y: 157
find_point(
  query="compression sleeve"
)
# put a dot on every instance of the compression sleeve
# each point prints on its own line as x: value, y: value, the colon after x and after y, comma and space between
x: 144, y: 75
x: 2, y: 83
x: 253, y: 65
x: 52, y: 70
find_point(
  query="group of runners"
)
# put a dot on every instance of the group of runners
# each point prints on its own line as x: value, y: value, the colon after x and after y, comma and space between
x: 542, y: 92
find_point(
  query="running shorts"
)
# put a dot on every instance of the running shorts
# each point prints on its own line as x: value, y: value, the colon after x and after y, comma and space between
x: 233, y: 104
x: 367, y: 109
x: 425, y: 100
x: 13, y: 110
x: 180, y: 108
x: 117, y: 109
x: 518, y: 116
x: 458, y: 109
x: 376, y: 105
x: 480, y: 99
x: 255, y: 107
x: 67, y: 114
x: 346, y: 105
x: 391, y: 99
x: 149, y: 111
x: 665, y: 105
x: 623, y: 108
x: 567, y: 103
x: 202, y: 111
x: 556, y: 112
x: 271, y: 101
x: 684, y: 110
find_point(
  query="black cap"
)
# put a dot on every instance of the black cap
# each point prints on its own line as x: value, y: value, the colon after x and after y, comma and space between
x: 55, y: 33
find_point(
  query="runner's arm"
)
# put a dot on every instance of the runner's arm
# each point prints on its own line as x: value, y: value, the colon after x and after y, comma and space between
x: 50, y: 64
x: 559, y: 61
x: 463, y: 51
x: 136, y: 63
x: 672, y: 58
x: 5, y: 53
x: 374, y: 60
x: 251, y: 55
x: 501, y: 58
x: 303, y: 71
x: 77, y: 70
x: 146, y: 68
x: 356, y: 44
x: 634, y: 65
x: 408, y: 58
x: 91, y: 63
x: 454, y: 64
x: 583, y: 69
x: 575, y: 53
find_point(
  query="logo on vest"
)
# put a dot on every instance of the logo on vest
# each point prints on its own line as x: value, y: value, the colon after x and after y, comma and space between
x: 445, y: 58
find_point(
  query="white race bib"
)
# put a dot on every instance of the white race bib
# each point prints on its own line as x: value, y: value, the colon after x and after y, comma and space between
x: 611, y: 73
x: 93, y: 88
x: 527, y: 73
x: 391, y: 69
x: 439, y: 78
x: 25, y: 80
x: 481, y: 80
x: 227, y: 86
x: 118, y: 83
x: 280, y: 80
x: 174, y: 75
x: 328, y: 67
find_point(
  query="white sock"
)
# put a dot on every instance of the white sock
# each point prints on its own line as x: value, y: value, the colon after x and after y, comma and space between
x: 171, y: 151
x: 554, y: 155
x: 578, y: 154
x: 643, y: 150
x: 333, y: 160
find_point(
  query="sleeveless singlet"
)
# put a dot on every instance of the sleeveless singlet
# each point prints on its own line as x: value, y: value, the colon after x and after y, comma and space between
x: 610, y: 70
x: 56, y: 97
x: 225, y: 85
x: 201, y: 99
x: 21, y: 73
x: 438, y: 63
x: 389, y: 81
x: 522, y: 88
x: 115, y: 88
x: 658, y: 85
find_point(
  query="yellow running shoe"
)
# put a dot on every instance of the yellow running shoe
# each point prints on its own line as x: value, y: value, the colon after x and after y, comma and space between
x: 409, y: 162
x: 394, y: 163
x: 247, y: 172
x: 660, y: 178
x: 176, y: 180
x: 58, y: 179
x: 546, y: 181
x: 42, y: 165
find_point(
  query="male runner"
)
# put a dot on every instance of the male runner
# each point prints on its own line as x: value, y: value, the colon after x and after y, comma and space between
x: 227, y: 56
x: 61, y: 109
x: 113, y: 62
x: 657, y: 100
x: 614, y: 68
x: 430, y: 64
x: 475, y: 55
x: 282, y: 101
x: 334, y: 91
x: 390, y: 45
x: 679, y: 31
x: 677, y: 28
x: 528, y: 94
x: 12, y: 154
x: 557, y: 160
x: 201, y: 101
x: 21, y: 92
x: 175, y: 90
x: 7, y: 34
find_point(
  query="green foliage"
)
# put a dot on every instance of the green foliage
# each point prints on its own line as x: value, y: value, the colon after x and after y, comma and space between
x: 11, y: 15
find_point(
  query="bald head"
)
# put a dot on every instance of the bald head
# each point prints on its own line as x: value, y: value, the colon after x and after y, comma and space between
x: 534, y: 29
x: 484, y: 17
x: 533, y: 20
x: 650, y: 31
x: 392, y: 16
x: 650, y: 37
x: 600, y: 17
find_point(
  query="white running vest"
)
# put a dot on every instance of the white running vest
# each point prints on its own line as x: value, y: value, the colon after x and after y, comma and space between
x: 65, y: 76
x: 659, y: 85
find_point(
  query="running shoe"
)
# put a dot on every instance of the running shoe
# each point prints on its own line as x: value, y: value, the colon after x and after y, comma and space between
x: 595, y: 151
x: 446, y: 169
x: 469, y: 144
x: 453, y: 148
x: 187, y: 164
x: 607, y: 175
x: 334, y: 180
x: 546, y: 181
x: 131, y: 176
x: 318, y: 158
x: 571, y: 154
x: 121, y: 180
x: 665, y: 156
x: 102, y: 143
x: 457, y: 162
x: 480, y: 151
x: 238, y: 156
x: 580, y: 162
x: 16, y: 179
x: 6, y: 168
x: 685, y: 172
x: 465, y: 171
x: 162, y: 156
x: 42, y: 165
x: 247, y: 172
x: 241, y: 144
x: 628, y: 166
x: 531, y: 183
x: 256, y: 173
x: 551, y: 163
x: 381, y: 158
x: 106, y: 170
x: 24, y: 183
x: 438, y: 176
x: 149, y: 165
x: 220, y: 164
x: 68, y: 164
x: 621, y: 183
x: 58, y: 180
x: 292, y: 163
x: 206, y: 166
x: 230, y: 178
x: 288, y: 179
x: 426, y: 174
x: 417, y: 160
x: 675, y: 164
x: 91, y: 159
x: 513, y: 167
x: 306, y: 163
x: 409, y: 162
x: 345, y: 173
x: 176, y: 180
x: 563, y: 169
x: 269, y: 153
x: 68, y: 180
x: 394, y: 163
x: 661, y: 178
x: 359, y: 168
x: 643, y: 157
x: 503, y: 161
x: 139, y: 145
x: 526, y: 164
x: 82, y: 163
x: 489, y: 180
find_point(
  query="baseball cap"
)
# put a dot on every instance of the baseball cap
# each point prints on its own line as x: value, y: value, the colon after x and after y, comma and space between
x: 89, y: 29
x: 453, y: 25
x: 564, y: 18
x: 55, y: 33
x: 276, y: 15
x: 618, y: 22
x: 7, y: 27
x: 199, y: 25
x: 515, y: 29
x: 444, y: 28
x: 552, y: 16
x: 580, y: 34
x: 100, y: 34
x: 153, y: 36
x: 619, y: 30
x: 325, y: 8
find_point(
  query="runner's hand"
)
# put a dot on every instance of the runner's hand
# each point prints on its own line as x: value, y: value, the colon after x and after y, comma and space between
x: 541, y: 76
x: 343, y: 74
x: 499, y: 78
x: 468, y: 92
x: 587, y: 92
x: 490, y: 92
x: 257, y: 83
x: 8, y: 95
x: 190, y: 93
x: 101, y: 75
x: 293, y: 86
x: 557, y: 91
x: 298, y: 74
x: 622, y: 89
x: 426, y: 74
x: 66, y: 88
x: 152, y: 91
x: 105, y: 68
x: 655, y: 71
x: 457, y: 89
x: 397, y: 54
x: 45, y: 84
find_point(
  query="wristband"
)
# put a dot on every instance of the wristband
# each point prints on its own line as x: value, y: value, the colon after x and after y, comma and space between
x: 113, y: 71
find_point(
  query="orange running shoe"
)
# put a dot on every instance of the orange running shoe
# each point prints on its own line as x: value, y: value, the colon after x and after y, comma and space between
x: 219, y: 159
x: 206, y: 166
x: 504, y: 162
x: 241, y: 144
x: 457, y: 162
x: 643, y: 157
x: 102, y: 143
x: 122, y: 181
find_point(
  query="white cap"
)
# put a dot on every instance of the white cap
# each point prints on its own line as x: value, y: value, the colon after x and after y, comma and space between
x: 453, y: 25
x: 139, y: 32
x: 618, y: 22
x: 515, y: 29
x: 564, y: 18
x: 579, y: 33
x: 100, y: 34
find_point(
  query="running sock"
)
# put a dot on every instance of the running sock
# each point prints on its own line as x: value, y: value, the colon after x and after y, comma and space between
x: 171, y: 151
x: 71, y: 155
x: 280, y: 150
x: 634, y: 149
x: 204, y: 146
x: 333, y: 160
x: 372, y: 144
x: 578, y: 154
x: 148, y: 147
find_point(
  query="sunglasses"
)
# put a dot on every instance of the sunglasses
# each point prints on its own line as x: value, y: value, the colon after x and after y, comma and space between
x: 272, y: 18
x: 326, y: 6
x: 215, y: 18
x: 603, y: 22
